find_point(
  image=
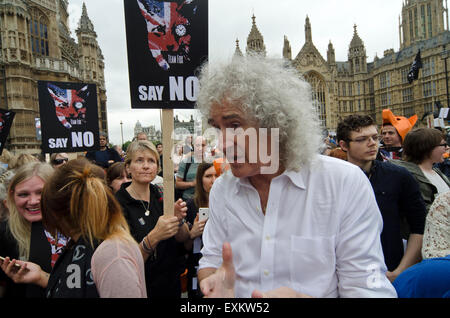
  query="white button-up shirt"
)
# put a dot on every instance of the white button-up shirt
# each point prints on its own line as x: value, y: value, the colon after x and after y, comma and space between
x: 320, y: 235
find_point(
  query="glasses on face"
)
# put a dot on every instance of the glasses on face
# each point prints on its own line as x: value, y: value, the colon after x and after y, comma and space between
x: 364, y: 139
x: 445, y: 145
x: 60, y: 161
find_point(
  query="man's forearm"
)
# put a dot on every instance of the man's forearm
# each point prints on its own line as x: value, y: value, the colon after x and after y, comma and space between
x: 183, y: 185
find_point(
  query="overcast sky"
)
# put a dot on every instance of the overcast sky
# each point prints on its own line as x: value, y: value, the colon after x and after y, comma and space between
x: 331, y: 20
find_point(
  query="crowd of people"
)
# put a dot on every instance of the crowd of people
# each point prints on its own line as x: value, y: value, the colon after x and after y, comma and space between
x: 363, y: 213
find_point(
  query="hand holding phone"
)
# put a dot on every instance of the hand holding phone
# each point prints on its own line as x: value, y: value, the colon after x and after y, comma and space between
x: 22, y: 272
x: 2, y: 259
x: 203, y: 214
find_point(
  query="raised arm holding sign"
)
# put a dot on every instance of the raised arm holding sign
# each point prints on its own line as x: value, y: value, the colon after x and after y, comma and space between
x: 167, y: 41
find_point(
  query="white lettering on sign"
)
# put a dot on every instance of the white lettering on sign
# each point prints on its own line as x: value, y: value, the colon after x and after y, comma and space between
x: 150, y: 93
x: 57, y: 143
x: 82, y: 139
x: 181, y: 89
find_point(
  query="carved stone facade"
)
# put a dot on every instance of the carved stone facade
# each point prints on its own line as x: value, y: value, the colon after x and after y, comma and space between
x: 150, y: 131
x: 255, y: 41
x: 355, y: 86
x: 36, y: 45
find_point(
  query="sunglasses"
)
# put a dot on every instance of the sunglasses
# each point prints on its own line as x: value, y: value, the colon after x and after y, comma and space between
x: 60, y: 161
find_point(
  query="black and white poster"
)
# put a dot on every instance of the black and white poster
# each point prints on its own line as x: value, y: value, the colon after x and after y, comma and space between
x: 69, y: 116
x: 6, y: 119
x: 167, y: 41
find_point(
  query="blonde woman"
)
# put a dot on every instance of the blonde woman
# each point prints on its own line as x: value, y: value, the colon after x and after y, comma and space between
x: 22, y: 236
x: 160, y: 236
x: 102, y: 259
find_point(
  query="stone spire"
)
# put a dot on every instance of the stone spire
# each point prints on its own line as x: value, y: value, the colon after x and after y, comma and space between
x: 238, y: 51
x: 308, y: 33
x: 255, y: 41
x: 90, y: 55
x: 85, y: 25
x: 309, y: 54
x: 331, y: 57
x: 287, y: 51
x: 356, y: 41
x: 357, y: 54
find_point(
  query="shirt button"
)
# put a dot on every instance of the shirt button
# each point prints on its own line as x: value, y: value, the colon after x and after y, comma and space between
x: 268, y: 237
x: 266, y: 272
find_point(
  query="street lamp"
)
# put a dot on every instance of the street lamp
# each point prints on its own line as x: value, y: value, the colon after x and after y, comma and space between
x: 121, y: 131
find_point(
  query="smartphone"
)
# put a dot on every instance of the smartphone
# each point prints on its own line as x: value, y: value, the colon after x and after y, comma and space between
x: 203, y: 214
x: 2, y: 259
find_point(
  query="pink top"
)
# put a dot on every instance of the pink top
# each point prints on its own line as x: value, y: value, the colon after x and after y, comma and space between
x: 118, y: 270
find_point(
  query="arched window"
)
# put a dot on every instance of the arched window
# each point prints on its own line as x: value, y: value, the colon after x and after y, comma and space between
x: 318, y: 95
x: 38, y: 28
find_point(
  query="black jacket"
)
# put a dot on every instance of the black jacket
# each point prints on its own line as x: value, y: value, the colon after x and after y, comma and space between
x: 101, y: 158
x: 400, y: 202
x: 162, y: 274
x: 72, y: 277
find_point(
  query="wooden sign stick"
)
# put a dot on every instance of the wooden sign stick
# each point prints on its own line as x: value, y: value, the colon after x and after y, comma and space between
x: 168, y: 176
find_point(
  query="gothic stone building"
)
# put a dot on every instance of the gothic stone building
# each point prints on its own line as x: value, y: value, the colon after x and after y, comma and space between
x: 35, y: 44
x: 355, y: 86
x: 150, y: 131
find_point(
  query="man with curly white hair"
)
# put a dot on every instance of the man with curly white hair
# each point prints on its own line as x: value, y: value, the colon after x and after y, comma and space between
x: 310, y: 227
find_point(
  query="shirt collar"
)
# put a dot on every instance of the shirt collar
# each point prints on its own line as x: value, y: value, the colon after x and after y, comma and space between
x: 297, y: 178
x: 373, y: 167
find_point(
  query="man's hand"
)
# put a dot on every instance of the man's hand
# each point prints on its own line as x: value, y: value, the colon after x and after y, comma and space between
x: 221, y: 283
x: 282, y: 292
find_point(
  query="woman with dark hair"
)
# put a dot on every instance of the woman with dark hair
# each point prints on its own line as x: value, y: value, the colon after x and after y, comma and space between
x: 422, y: 148
x: 101, y: 259
x: 205, y: 177
x: 116, y: 175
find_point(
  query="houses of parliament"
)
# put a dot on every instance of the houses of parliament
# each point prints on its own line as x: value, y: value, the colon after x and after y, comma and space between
x: 35, y: 44
x: 356, y: 86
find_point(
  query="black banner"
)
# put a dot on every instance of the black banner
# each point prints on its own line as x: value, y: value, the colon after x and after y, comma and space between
x: 167, y: 41
x: 413, y: 73
x: 69, y: 116
x: 6, y: 119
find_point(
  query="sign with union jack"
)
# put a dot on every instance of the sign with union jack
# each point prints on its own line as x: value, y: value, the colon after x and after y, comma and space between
x: 167, y: 42
x: 69, y: 116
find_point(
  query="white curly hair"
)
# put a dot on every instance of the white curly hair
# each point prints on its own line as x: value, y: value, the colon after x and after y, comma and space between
x: 272, y: 92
